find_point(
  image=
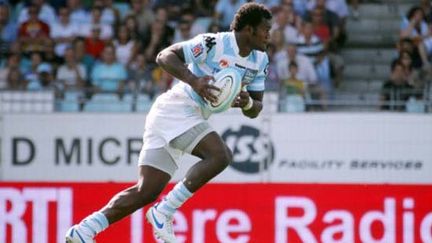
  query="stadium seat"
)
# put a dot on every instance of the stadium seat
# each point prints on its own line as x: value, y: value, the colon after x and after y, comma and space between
x: 143, y: 103
x: 415, y: 106
x: 26, y: 101
x: 107, y: 103
x: 71, y: 101
x: 294, y: 103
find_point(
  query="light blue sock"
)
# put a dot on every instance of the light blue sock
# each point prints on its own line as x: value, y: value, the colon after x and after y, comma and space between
x: 175, y: 198
x: 93, y: 224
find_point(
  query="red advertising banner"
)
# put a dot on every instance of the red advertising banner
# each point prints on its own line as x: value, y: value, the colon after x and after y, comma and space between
x: 257, y: 213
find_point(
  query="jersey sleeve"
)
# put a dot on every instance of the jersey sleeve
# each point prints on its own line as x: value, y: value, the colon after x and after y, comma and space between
x: 196, y: 49
x: 258, y: 84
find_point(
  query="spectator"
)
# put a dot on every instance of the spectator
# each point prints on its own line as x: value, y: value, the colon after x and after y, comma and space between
x: 172, y: 7
x: 13, y: 62
x: 272, y: 80
x: 126, y: 47
x: 15, y: 80
x: 330, y: 18
x: 277, y: 38
x: 329, y: 39
x: 196, y: 26
x: 306, y: 69
x: 43, y: 80
x: 225, y: 10
x: 407, y: 45
x: 162, y: 80
x: 284, y: 17
x: 204, y: 8
x: 8, y: 30
x: 50, y: 56
x: 71, y: 74
x: 323, y: 68
x: 355, y: 9
x: 144, y: 15
x: 140, y: 76
x: 31, y: 74
x: 406, y: 60
x: 109, y: 15
x: 183, y: 31
x: 271, y: 4
x: 94, y: 45
x: 299, y: 6
x: 82, y: 56
x: 426, y: 6
x: 78, y: 15
x: 293, y: 85
x: 106, y: 31
x: 213, y: 27
x: 63, y: 31
x: 320, y: 28
x: 293, y: 92
x: 308, y: 43
x: 33, y: 33
x: 45, y: 12
x: 396, y: 91
x: 336, y: 15
x: 414, y: 27
x: 159, y: 36
x: 131, y: 24
x: 339, y: 7
x: 109, y: 75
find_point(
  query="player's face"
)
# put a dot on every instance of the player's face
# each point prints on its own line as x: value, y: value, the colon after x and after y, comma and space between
x: 261, y: 35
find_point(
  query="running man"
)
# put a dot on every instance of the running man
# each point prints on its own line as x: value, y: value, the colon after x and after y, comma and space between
x: 177, y: 122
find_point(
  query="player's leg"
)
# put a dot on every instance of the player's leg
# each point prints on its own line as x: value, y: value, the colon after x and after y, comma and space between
x: 150, y: 184
x: 215, y: 157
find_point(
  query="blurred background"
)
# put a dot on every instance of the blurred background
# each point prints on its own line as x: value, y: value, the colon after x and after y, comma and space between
x: 342, y: 151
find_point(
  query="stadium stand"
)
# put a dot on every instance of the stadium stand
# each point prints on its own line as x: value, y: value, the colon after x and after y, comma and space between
x: 359, y: 54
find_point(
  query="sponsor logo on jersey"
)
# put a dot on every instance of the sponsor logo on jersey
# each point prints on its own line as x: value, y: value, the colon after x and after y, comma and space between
x: 249, y: 75
x: 197, y: 50
x: 223, y: 63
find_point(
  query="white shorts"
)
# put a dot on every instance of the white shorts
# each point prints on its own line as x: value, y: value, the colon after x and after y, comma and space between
x: 162, y: 159
x: 173, y: 114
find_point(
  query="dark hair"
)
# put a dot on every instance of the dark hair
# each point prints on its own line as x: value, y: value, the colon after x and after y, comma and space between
x: 396, y: 63
x: 250, y: 14
x: 406, y: 40
x: 412, y: 11
x: 292, y: 64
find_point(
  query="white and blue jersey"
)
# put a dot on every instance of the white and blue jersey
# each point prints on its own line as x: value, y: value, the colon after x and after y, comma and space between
x: 207, y: 54
x: 181, y: 108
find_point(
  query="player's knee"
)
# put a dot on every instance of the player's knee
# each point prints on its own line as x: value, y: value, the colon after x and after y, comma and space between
x: 230, y: 156
x: 224, y: 157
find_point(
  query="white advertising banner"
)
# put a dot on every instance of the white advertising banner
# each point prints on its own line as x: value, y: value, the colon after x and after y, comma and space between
x: 312, y: 148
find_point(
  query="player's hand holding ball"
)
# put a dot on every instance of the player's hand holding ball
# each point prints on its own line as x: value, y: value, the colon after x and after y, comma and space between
x: 205, y: 89
x: 228, y: 84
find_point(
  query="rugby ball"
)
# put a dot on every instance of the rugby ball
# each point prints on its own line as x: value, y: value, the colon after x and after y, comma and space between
x: 228, y: 80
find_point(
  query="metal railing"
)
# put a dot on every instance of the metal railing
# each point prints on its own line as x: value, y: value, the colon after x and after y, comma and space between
x: 79, y: 101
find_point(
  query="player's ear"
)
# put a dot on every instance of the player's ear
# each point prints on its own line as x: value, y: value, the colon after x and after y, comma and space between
x: 250, y: 29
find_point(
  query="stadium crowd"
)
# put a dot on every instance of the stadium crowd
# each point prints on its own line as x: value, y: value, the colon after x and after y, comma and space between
x: 409, y: 84
x: 105, y: 46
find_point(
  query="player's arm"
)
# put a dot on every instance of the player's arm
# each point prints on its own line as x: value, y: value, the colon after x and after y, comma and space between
x: 251, y: 96
x: 172, y: 60
x: 250, y: 102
